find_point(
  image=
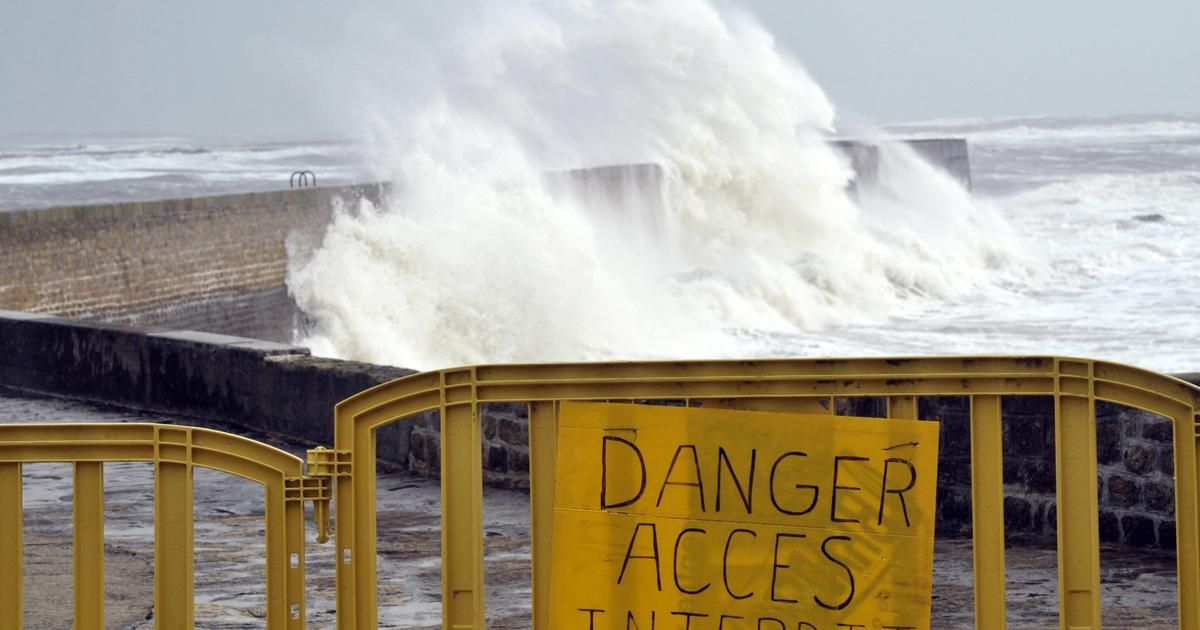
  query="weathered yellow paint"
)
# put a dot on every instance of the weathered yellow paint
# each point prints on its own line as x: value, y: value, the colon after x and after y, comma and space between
x: 89, y: 545
x: 174, y: 574
x: 792, y: 386
x: 789, y: 385
x: 174, y: 451
x: 1078, y: 516
x: 462, y: 519
x: 987, y: 504
x: 12, y: 556
x: 669, y: 512
x: 543, y: 445
x: 1187, y: 519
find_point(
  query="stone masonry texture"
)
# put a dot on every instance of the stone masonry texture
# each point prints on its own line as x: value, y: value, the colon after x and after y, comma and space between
x: 1135, y: 483
x: 216, y: 264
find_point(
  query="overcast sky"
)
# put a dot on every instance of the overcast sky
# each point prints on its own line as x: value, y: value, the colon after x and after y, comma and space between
x: 265, y: 67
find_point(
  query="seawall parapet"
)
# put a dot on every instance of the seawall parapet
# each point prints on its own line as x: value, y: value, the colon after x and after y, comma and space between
x: 206, y: 263
x: 219, y: 264
x: 258, y: 384
x: 282, y: 388
x: 951, y: 155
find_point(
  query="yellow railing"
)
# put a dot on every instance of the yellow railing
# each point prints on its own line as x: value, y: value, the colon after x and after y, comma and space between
x: 808, y: 386
x: 804, y: 386
x: 174, y: 451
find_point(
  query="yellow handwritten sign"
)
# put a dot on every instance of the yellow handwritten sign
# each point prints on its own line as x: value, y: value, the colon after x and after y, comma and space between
x: 697, y: 519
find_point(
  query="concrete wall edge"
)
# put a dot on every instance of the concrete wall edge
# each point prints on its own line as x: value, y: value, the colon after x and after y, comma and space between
x: 282, y: 389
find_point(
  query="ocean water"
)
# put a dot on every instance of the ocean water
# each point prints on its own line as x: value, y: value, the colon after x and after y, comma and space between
x: 1110, y: 208
x: 48, y: 170
x: 1102, y: 216
x: 1079, y: 236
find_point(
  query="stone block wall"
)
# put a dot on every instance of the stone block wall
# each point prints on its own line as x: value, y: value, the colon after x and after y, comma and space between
x: 505, y: 446
x: 215, y: 264
x: 1135, y: 467
x: 1137, y: 485
x: 260, y: 385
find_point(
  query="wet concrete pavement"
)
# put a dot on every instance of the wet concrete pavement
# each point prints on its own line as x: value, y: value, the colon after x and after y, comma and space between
x: 1139, y: 586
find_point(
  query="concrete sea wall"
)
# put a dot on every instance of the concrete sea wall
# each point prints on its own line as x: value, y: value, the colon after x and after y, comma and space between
x: 258, y: 384
x: 219, y: 264
x: 951, y: 155
x: 267, y: 386
x: 208, y: 263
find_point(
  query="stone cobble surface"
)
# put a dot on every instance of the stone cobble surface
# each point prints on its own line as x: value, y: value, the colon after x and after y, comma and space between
x: 1138, y: 584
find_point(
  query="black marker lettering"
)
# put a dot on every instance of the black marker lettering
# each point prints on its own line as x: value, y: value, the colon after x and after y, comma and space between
x: 774, y: 573
x: 630, y: 620
x: 837, y: 461
x: 849, y: 575
x: 748, y: 494
x: 721, y: 623
x: 592, y: 616
x: 676, y: 565
x: 629, y: 553
x: 725, y: 563
x: 912, y: 481
x: 775, y: 501
x: 780, y: 625
x: 604, y: 504
x: 698, y: 483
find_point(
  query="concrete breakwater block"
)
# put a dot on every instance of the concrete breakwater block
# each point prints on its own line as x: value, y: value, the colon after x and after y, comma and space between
x: 219, y: 264
x: 949, y: 155
x: 639, y: 186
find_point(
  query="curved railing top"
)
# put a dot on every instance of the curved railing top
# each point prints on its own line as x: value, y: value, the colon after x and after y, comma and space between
x: 174, y: 451
x: 871, y: 376
x: 133, y: 441
x: 762, y: 384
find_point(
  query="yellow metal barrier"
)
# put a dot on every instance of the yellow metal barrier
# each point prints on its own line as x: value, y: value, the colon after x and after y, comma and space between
x: 807, y: 386
x: 802, y: 386
x: 174, y: 451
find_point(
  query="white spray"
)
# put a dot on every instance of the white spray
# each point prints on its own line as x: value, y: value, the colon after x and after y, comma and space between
x: 479, y: 256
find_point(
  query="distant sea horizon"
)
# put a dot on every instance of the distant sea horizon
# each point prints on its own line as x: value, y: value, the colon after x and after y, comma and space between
x: 47, y: 169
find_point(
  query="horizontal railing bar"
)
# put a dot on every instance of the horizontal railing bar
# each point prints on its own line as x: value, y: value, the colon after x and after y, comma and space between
x: 756, y: 378
x: 732, y: 389
x: 77, y: 442
x: 1161, y: 384
x: 84, y: 443
x: 58, y: 453
x: 1139, y: 393
x: 836, y: 367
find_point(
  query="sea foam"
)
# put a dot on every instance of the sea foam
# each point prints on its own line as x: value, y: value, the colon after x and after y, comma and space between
x: 478, y: 256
